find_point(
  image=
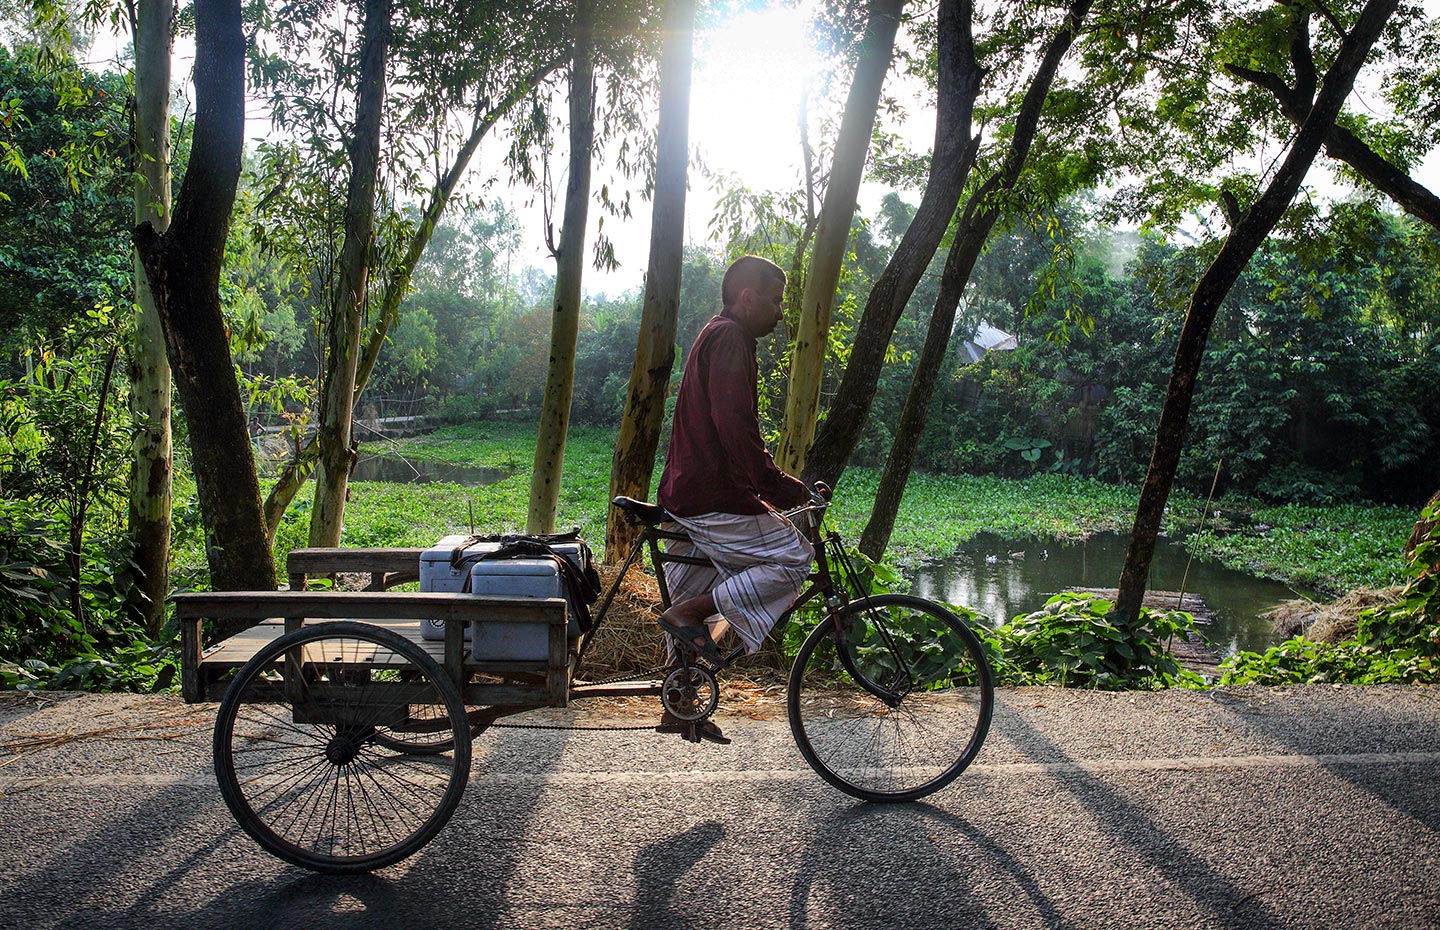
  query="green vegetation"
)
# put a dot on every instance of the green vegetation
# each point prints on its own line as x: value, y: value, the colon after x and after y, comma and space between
x: 1333, y: 547
x: 1074, y: 642
x: 1396, y: 643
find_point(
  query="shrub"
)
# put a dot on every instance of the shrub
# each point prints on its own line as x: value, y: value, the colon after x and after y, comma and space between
x: 1394, y: 643
x: 1075, y: 641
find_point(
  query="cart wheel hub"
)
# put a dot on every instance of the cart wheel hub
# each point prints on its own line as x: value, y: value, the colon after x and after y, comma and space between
x: 342, y: 749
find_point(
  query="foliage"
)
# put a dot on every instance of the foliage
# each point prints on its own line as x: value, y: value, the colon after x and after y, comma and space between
x: 65, y: 200
x: 1316, y: 389
x: 42, y: 643
x: 1336, y: 548
x: 1397, y: 643
x: 1075, y: 641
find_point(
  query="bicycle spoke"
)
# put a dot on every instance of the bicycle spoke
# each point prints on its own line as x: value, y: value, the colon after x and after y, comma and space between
x: 307, y: 780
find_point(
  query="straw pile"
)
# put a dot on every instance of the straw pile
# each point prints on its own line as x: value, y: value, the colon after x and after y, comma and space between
x: 1328, y: 622
x: 629, y: 641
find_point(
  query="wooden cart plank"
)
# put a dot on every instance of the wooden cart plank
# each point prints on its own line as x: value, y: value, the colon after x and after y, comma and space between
x: 241, y: 648
x: 275, y: 612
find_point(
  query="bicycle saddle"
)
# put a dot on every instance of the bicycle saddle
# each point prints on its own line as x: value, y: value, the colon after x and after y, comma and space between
x: 648, y: 514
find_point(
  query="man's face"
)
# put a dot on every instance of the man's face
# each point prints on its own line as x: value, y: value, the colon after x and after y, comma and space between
x: 762, y: 308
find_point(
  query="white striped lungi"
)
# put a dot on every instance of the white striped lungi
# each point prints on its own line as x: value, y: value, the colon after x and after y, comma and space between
x: 761, y: 563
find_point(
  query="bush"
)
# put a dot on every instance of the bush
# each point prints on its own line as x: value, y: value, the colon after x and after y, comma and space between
x: 1075, y: 641
x: 467, y: 408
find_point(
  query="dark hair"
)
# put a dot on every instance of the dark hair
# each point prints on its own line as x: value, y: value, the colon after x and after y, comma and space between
x: 748, y: 271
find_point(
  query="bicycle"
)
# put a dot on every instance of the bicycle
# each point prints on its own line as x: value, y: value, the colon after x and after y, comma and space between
x: 889, y: 697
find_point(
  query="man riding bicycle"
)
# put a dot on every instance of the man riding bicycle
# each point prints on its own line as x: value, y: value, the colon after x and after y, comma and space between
x: 723, y: 488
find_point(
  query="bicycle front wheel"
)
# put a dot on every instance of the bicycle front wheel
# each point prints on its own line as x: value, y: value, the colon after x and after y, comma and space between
x: 305, y: 747
x: 893, y: 703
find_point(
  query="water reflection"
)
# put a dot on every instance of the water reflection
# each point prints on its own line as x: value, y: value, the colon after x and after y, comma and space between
x: 409, y: 471
x: 1002, y: 578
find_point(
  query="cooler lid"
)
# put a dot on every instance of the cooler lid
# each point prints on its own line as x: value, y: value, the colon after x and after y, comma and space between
x: 440, y: 552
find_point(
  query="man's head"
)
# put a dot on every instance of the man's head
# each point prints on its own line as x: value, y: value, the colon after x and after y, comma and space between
x: 753, y: 290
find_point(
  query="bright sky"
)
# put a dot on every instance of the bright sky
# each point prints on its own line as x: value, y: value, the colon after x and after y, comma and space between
x: 746, y: 90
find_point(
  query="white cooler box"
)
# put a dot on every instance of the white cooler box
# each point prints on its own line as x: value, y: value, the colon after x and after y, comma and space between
x: 507, y: 577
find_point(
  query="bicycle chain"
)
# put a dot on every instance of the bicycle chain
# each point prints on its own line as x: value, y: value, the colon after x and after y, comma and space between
x: 616, y: 679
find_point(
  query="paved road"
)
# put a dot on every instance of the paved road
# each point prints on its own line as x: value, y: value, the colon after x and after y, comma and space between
x: 1309, y: 807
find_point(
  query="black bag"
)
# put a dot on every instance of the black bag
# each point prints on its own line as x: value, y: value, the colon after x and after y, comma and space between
x: 577, y: 572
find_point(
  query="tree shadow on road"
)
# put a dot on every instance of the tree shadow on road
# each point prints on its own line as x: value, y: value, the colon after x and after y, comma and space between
x: 1388, y: 723
x: 1130, y: 825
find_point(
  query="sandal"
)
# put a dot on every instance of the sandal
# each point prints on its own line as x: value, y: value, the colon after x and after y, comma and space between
x: 685, y: 637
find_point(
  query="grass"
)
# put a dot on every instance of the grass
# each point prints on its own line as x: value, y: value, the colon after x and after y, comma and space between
x: 1334, y: 548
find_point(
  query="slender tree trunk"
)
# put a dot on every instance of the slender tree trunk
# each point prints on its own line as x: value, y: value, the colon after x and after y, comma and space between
x: 570, y: 266
x: 82, y: 496
x: 347, y: 316
x: 1245, y: 237
x: 298, y: 469
x: 639, y: 435
x: 807, y: 358
x: 950, y: 163
x: 978, y: 219
x: 183, y: 267
x: 150, y: 389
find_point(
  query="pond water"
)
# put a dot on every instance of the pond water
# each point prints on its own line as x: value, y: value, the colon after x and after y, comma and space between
x: 408, y: 471
x: 1003, y: 578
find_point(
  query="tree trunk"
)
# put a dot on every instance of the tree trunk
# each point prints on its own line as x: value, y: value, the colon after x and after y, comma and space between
x: 639, y: 435
x: 1246, y: 236
x: 298, y: 469
x: 950, y: 163
x: 978, y: 219
x: 570, y: 266
x: 347, y: 315
x: 807, y: 358
x: 150, y: 389
x: 183, y: 267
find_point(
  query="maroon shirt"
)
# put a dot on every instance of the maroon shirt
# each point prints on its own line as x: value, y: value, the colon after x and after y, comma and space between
x: 717, y: 462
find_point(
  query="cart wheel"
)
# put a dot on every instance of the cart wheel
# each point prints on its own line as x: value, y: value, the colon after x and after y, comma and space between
x: 302, y: 760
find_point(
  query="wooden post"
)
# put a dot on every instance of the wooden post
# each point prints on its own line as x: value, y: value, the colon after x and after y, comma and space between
x: 557, y: 674
x: 190, y: 651
x: 455, y: 651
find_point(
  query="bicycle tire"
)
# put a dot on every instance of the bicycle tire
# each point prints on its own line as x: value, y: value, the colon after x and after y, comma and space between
x: 297, y: 760
x: 933, y: 670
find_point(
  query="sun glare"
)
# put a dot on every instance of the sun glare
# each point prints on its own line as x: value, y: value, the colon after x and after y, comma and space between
x: 750, y: 77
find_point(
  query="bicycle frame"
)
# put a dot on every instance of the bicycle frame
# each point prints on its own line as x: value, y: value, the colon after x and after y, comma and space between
x: 821, y: 583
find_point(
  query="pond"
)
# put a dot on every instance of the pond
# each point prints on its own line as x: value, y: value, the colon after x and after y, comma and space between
x: 409, y: 471
x: 1003, y: 578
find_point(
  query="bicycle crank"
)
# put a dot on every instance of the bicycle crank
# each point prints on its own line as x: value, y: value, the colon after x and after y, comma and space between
x: 690, y: 693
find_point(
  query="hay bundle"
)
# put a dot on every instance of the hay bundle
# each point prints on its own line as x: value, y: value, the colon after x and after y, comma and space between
x: 629, y: 641
x: 1330, y: 622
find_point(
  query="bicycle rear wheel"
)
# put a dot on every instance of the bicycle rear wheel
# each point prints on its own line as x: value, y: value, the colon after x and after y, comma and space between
x: 894, y: 704
x: 302, y: 761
